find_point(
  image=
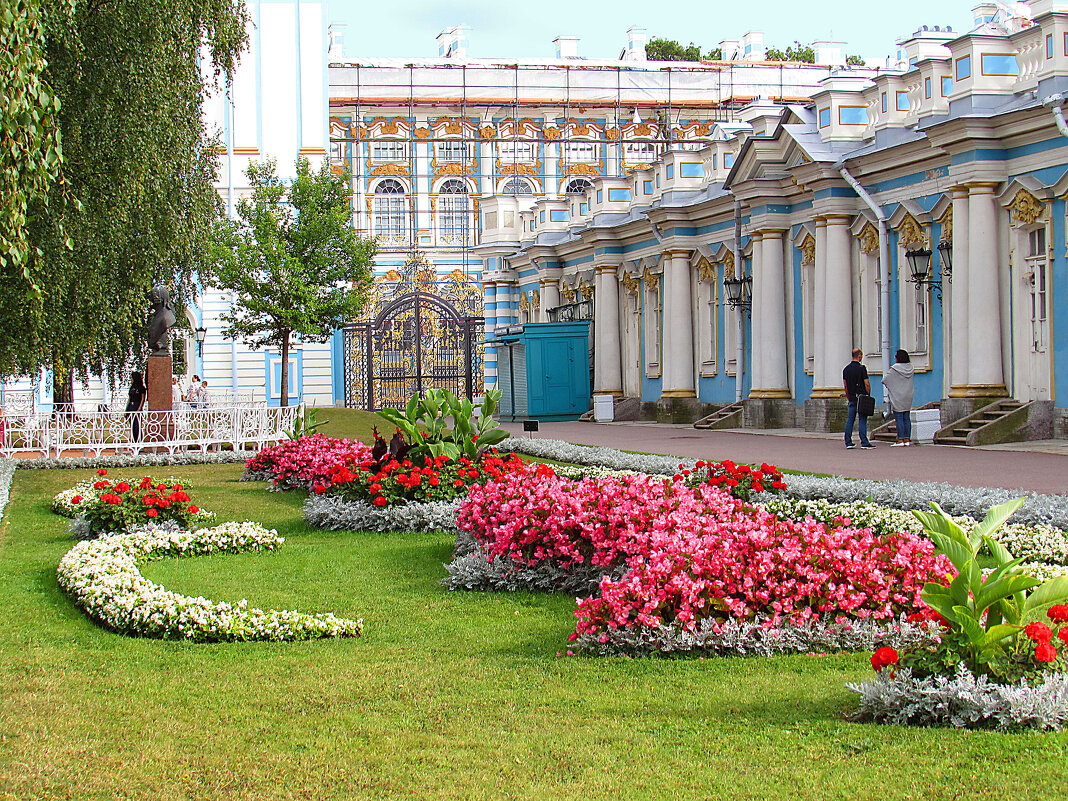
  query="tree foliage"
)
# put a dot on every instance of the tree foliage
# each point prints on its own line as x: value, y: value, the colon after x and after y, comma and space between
x: 658, y: 49
x: 855, y: 61
x: 293, y: 262
x: 795, y: 52
x: 134, y: 202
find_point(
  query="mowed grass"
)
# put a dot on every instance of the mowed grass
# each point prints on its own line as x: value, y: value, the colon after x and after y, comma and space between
x: 448, y: 695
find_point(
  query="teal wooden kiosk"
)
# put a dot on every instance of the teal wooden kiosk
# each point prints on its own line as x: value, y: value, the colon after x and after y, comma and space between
x: 543, y: 370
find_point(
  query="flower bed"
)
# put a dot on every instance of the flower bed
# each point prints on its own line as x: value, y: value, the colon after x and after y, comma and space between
x: 304, y: 463
x: 117, y: 504
x: 101, y: 577
x: 686, y: 554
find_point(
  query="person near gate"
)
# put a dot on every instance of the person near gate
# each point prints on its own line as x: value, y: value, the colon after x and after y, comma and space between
x: 898, y: 383
x: 855, y: 378
x: 136, y: 404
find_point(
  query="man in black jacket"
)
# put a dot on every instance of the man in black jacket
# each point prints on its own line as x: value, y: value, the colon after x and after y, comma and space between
x: 855, y: 378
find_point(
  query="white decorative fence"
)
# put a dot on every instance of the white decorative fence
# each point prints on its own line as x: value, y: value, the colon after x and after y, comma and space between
x: 242, y: 426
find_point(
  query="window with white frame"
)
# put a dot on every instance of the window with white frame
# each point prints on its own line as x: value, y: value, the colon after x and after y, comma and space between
x: 578, y: 186
x: 707, y: 324
x: 808, y: 308
x: 335, y: 151
x: 453, y: 212
x: 1037, y: 278
x: 652, y: 312
x: 390, y: 211
x: 581, y: 151
x: 451, y: 151
x: 516, y: 186
x: 517, y: 150
x: 867, y: 303
x: 640, y: 152
x: 389, y: 150
x: 915, y: 310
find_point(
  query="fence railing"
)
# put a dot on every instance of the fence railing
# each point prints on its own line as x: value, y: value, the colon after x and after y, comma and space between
x: 93, y: 433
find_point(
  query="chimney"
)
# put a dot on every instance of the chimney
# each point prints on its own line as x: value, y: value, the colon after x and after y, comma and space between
x: 452, y: 42
x: 637, y: 38
x: 753, y: 46
x: 335, y: 34
x: 566, y: 46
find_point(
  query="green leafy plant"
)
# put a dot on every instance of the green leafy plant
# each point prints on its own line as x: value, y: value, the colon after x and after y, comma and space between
x: 305, y: 424
x: 424, y: 421
x: 985, y: 615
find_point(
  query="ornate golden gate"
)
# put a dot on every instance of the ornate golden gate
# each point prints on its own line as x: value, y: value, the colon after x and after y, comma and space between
x: 419, y: 331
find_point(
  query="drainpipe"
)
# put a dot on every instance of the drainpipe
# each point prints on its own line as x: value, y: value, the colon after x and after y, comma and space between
x: 1054, y: 103
x: 739, y: 340
x: 884, y: 258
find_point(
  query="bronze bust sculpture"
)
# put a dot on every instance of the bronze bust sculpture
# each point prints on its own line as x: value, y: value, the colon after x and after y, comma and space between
x: 163, y: 319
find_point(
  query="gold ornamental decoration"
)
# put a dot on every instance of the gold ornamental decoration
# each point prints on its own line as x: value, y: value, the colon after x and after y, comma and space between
x: 705, y: 271
x: 869, y: 239
x: 808, y: 250
x: 524, y: 302
x: 423, y: 133
x: 630, y: 283
x: 487, y: 132
x: 581, y: 169
x: 391, y: 169
x: 568, y: 293
x: 1026, y: 208
x: 728, y: 265
x: 393, y: 275
x: 452, y: 168
x: 535, y: 299
x: 551, y: 134
x: 946, y: 221
x: 452, y: 128
x: 910, y: 233
x: 611, y: 134
x: 586, y: 291
x: 518, y: 169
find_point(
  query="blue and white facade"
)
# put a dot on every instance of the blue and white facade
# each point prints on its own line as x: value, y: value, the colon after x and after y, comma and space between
x: 963, y: 153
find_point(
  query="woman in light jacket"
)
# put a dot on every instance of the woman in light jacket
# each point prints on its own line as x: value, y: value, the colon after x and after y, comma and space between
x: 898, y: 384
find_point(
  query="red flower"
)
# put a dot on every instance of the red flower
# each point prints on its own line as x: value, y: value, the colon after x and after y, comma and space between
x: 1039, y: 632
x: 457, y: 483
x: 122, y: 486
x: 1045, y: 652
x: 380, y: 501
x: 884, y: 657
x: 1058, y: 613
x: 152, y: 513
x: 102, y: 485
x: 77, y: 499
x: 1062, y: 635
x: 101, y: 472
x: 194, y: 509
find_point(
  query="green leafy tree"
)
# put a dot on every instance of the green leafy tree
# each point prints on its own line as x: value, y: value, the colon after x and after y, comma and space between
x: 293, y: 262
x: 855, y: 61
x: 715, y: 54
x: 133, y: 201
x: 795, y: 52
x: 658, y: 49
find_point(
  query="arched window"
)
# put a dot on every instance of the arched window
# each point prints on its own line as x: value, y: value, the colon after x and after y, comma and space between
x: 578, y: 186
x: 516, y: 186
x: 453, y: 208
x: 390, y: 215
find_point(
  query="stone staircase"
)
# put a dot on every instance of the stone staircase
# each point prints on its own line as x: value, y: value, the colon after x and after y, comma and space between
x: 729, y: 416
x: 1005, y: 420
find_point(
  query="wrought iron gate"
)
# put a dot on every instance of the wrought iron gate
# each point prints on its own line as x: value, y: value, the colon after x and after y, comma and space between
x: 422, y: 335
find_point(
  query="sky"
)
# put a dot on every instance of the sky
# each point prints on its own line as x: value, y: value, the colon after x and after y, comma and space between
x: 505, y: 28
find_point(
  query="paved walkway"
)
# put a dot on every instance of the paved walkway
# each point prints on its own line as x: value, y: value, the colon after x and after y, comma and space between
x: 1038, y: 467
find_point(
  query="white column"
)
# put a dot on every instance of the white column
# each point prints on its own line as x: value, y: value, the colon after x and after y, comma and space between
x: 819, y: 303
x: 550, y: 298
x: 958, y: 293
x: 756, y: 322
x: 772, y: 313
x: 678, y: 327
x: 985, y: 375
x: 837, y: 315
x: 607, y: 369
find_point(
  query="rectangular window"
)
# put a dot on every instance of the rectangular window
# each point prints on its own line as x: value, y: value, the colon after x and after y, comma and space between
x: 693, y: 169
x: 600, y: 196
x: 647, y: 187
x: 1049, y: 45
x: 999, y: 64
x: 390, y: 217
x: 670, y: 171
x: 853, y: 115
x: 715, y: 159
x: 902, y: 101
x: 884, y: 102
x: 728, y: 160
x: 1066, y: 44
x: 640, y: 151
x: 584, y: 208
x: 1036, y: 278
x: 825, y: 117
x: 516, y: 151
x: 335, y: 151
x: 914, y: 61
x: 618, y: 195
x: 707, y: 325
x: 389, y: 150
x: 964, y: 68
x: 947, y: 86
x: 558, y: 215
x: 652, y: 314
x: 581, y: 152
x: 927, y: 88
x: 452, y: 151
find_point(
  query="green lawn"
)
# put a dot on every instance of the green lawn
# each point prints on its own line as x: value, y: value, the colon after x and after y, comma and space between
x: 448, y: 695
